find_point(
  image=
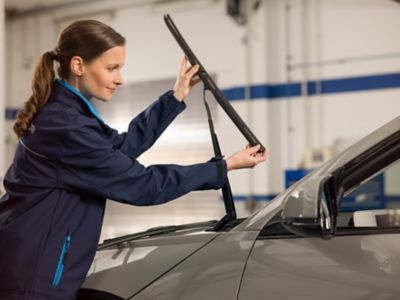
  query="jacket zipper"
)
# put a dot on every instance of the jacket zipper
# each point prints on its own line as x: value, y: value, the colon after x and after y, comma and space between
x: 61, y: 261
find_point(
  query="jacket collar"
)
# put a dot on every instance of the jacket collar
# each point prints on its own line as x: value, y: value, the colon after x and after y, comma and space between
x: 69, y: 88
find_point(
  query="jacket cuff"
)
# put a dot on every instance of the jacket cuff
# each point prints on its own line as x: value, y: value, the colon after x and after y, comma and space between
x: 222, y: 168
x: 172, y: 102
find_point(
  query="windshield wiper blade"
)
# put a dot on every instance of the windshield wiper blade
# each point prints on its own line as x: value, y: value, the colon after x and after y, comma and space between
x: 155, y: 231
x: 211, y: 86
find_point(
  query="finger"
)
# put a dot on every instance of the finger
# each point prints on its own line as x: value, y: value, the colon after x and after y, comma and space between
x: 192, y: 71
x: 260, y: 154
x: 261, y: 158
x: 254, y: 149
x: 261, y: 151
x: 182, y: 66
x: 195, y: 80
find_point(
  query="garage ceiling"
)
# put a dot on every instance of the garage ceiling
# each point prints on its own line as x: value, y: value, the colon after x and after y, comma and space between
x: 23, y: 5
x: 29, y: 5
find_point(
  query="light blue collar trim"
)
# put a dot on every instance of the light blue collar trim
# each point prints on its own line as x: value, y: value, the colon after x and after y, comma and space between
x: 76, y: 92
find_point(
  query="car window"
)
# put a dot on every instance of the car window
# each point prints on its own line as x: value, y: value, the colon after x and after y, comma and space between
x: 374, y: 204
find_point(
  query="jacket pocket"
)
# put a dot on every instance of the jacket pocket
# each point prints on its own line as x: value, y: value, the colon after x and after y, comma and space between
x: 61, y: 260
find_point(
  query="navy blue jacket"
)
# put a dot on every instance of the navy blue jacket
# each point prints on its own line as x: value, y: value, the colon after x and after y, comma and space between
x: 56, y: 188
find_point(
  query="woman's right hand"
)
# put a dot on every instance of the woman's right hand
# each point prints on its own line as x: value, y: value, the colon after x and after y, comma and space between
x: 246, y: 158
x: 186, y: 79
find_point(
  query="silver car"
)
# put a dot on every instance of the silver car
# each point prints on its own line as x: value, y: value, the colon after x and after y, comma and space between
x: 307, y: 243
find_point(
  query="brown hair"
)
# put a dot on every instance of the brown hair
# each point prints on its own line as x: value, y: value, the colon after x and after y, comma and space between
x: 87, y: 39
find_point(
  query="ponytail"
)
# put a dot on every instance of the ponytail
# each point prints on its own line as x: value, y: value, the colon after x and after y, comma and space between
x: 41, y: 87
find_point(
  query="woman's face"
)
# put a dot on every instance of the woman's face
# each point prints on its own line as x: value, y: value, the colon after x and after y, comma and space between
x: 102, y: 75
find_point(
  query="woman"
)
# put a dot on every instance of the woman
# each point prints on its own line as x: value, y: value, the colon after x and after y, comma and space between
x: 68, y: 162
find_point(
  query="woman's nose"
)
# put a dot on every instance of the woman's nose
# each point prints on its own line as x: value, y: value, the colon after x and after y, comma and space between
x: 118, y: 80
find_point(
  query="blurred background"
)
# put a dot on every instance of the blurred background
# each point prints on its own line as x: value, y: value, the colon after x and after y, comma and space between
x: 310, y: 77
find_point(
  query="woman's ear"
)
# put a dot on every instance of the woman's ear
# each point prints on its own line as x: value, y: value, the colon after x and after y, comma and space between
x: 77, y: 65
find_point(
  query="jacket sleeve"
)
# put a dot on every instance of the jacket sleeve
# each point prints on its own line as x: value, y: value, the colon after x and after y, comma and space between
x: 147, y: 127
x: 89, y: 164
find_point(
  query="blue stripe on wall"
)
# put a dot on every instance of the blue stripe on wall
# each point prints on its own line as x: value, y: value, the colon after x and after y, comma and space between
x: 255, y: 197
x: 276, y: 91
x: 356, y: 84
x: 329, y: 86
x: 267, y: 197
x: 264, y: 91
x: 11, y: 113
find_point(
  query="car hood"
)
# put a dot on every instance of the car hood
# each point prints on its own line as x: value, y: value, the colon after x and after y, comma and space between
x: 127, y: 268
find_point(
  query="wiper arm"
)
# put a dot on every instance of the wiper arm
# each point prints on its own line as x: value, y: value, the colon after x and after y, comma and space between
x: 226, y: 189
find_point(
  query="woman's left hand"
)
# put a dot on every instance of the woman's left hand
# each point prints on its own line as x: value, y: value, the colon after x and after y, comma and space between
x: 186, y: 79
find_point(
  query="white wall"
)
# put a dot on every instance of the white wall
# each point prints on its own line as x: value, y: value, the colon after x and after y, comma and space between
x: 285, y: 41
x: 328, y: 39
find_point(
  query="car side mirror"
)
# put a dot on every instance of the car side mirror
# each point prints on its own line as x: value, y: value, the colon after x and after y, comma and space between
x: 310, y: 208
